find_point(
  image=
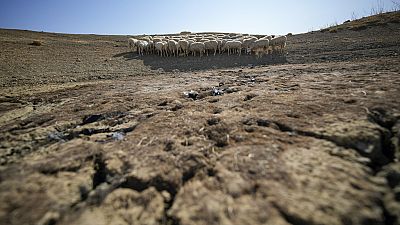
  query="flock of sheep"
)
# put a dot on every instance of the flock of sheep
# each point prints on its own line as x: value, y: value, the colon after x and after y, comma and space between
x: 199, y: 44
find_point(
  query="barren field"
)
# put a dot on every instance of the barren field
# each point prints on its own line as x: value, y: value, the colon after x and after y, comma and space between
x: 93, y: 134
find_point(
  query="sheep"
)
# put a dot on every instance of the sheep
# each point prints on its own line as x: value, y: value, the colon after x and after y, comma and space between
x: 176, y: 39
x: 183, y: 45
x: 150, y: 47
x: 157, y: 39
x: 197, y: 47
x: 260, y: 47
x: 269, y: 37
x: 234, y: 43
x: 132, y: 44
x: 211, y: 45
x: 161, y: 48
x: 165, y: 48
x: 235, y: 46
x: 142, y: 46
x: 247, y: 43
x: 173, y: 47
x: 191, y: 41
x: 278, y: 43
x: 145, y: 38
x: 261, y: 43
x: 220, y: 45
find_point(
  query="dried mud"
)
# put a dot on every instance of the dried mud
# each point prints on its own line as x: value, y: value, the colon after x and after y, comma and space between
x: 92, y: 134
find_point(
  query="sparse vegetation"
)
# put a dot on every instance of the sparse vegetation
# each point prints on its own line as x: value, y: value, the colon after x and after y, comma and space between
x: 378, y: 8
x: 379, y: 15
x: 381, y: 19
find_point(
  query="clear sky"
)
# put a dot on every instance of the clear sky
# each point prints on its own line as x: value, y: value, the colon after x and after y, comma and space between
x: 172, y: 16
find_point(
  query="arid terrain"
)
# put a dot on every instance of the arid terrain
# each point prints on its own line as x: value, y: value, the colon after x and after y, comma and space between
x: 92, y: 134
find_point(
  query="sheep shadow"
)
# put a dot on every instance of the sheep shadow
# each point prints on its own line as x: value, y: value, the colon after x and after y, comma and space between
x: 127, y: 55
x: 192, y: 63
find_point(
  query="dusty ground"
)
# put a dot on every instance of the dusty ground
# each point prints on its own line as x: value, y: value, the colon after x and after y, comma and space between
x: 91, y: 134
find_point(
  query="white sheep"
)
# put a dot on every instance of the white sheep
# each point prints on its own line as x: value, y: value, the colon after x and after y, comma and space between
x: 211, y: 45
x: 132, y: 44
x: 162, y: 48
x: 157, y: 39
x: 261, y: 43
x: 150, y: 47
x: 142, y: 46
x: 173, y: 47
x: 278, y: 43
x: 235, y: 46
x: 208, y: 43
x: 183, y: 45
x: 247, y: 43
x: 197, y: 47
x: 220, y: 45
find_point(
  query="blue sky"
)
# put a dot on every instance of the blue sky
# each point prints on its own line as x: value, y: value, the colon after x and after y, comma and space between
x: 162, y: 16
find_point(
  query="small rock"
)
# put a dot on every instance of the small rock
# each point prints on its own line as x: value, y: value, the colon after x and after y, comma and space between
x: 169, y: 145
x: 92, y: 118
x: 217, y: 111
x: 176, y: 105
x: 349, y: 101
x: 117, y: 136
x: 250, y: 96
x: 191, y: 94
x: 231, y: 90
x: 213, y: 100
x: 163, y: 103
x: 249, y: 129
x: 56, y: 136
x: 166, y: 195
x: 213, y: 121
x: 217, y: 91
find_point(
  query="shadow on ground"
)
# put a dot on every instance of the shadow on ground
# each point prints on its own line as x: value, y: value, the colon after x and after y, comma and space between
x: 191, y: 63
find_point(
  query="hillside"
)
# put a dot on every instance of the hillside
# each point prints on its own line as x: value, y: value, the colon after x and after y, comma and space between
x: 93, y: 134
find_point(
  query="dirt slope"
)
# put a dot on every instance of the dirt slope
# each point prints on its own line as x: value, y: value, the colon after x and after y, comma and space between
x: 92, y: 134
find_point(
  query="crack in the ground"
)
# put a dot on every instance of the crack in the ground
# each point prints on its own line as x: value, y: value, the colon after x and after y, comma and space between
x: 100, y: 174
x: 378, y: 116
x: 387, y: 120
x: 387, y: 148
x: 117, y: 125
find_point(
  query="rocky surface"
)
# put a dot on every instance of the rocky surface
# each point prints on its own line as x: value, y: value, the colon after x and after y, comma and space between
x: 304, y: 142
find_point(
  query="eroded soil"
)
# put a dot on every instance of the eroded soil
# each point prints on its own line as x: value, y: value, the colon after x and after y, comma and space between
x: 90, y: 134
